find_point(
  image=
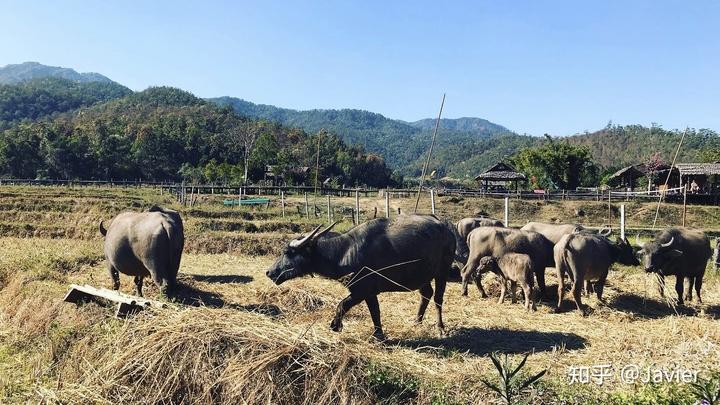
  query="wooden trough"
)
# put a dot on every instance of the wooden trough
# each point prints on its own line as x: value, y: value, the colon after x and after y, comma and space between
x: 126, y: 304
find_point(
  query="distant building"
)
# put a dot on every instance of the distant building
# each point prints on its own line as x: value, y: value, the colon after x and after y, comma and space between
x: 274, y: 177
x: 499, y: 173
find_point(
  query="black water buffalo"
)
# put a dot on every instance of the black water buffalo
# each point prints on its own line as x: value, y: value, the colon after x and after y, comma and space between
x: 143, y: 244
x: 556, y: 231
x: 587, y: 257
x: 404, y: 254
x: 494, y: 241
x: 680, y: 252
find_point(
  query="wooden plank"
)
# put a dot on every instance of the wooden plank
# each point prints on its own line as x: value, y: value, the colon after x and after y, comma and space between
x: 127, y: 304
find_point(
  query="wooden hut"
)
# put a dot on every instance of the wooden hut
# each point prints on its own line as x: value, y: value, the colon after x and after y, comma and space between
x: 701, y: 178
x: 625, y: 177
x: 499, y: 173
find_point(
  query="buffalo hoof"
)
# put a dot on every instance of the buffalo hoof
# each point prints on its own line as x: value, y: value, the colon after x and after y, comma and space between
x: 336, y: 326
x: 378, y: 336
x: 441, y: 332
x: 557, y: 310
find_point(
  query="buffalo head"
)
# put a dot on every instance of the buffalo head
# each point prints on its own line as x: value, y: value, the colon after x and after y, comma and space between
x: 657, y: 255
x: 626, y: 254
x: 298, y: 257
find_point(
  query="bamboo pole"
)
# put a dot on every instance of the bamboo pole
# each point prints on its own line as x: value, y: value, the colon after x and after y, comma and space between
x: 387, y: 204
x: 427, y: 161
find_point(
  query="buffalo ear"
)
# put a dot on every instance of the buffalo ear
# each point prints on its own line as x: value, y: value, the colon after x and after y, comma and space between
x: 674, y: 253
x: 103, y: 231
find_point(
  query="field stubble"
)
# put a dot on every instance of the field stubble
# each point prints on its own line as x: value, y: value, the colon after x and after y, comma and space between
x: 241, y: 337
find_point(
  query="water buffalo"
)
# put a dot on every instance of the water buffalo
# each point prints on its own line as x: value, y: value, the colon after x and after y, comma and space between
x: 495, y: 242
x: 142, y: 244
x: 463, y: 228
x: 680, y: 252
x: 515, y: 267
x: 587, y: 257
x: 556, y: 231
x: 403, y: 254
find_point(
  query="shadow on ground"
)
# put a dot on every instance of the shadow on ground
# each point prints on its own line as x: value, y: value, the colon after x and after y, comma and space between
x: 479, y: 342
x: 221, y: 279
x: 652, y: 308
x: 189, y: 295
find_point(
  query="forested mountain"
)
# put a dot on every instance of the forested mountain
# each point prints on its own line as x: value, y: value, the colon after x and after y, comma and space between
x: 40, y: 97
x: 402, y: 143
x: 55, y: 122
x: 12, y: 74
x: 467, y: 146
x: 617, y: 146
x: 465, y: 124
x: 168, y: 134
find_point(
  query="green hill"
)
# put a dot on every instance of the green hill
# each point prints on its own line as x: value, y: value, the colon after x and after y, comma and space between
x: 401, y: 143
x: 164, y: 133
x: 40, y: 97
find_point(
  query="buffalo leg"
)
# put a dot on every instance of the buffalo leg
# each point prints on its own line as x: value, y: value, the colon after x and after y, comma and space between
x: 540, y: 275
x: 114, y: 276
x: 529, y: 303
x: 503, y: 290
x: 561, y: 289
x: 374, y: 308
x: 599, y: 287
x: 478, y: 284
x: 344, y: 305
x: 426, y: 293
x: 679, y: 289
x: 467, y: 271
x: 138, y: 285
x: 513, y: 287
x: 688, y: 292
x: 698, y: 286
x: 438, y: 299
x: 577, y: 295
x: 588, y: 288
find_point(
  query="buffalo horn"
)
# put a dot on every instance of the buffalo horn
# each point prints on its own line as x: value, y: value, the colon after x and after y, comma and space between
x: 605, y: 231
x: 298, y: 243
x: 668, y: 244
x: 324, y: 231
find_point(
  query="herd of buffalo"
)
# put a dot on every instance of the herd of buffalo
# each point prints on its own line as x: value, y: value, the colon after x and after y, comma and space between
x: 410, y: 251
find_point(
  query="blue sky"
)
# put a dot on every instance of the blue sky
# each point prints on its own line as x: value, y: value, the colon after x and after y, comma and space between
x: 557, y: 67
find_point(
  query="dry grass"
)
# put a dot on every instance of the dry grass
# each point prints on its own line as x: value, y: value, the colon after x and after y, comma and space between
x: 243, y: 339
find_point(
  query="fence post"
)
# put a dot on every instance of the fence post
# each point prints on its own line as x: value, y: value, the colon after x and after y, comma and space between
x: 282, y: 202
x: 622, y: 221
x: 329, y: 214
x: 609, y: 207
x: 357, y: 207
x: 432, y: 201
x: 307, y: 209
x: 387, y: 204
x: 507, y: 211
x: 684, y: 204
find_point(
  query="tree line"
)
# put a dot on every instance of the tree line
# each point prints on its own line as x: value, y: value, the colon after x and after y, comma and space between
x: 166, y: 134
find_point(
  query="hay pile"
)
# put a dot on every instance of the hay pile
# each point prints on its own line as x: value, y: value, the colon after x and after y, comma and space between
x: 205, y: 355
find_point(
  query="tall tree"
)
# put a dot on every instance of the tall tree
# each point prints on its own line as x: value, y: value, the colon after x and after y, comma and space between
x: 557, y: 164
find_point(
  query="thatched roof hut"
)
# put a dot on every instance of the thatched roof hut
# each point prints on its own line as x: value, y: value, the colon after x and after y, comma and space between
x: 500, y: 172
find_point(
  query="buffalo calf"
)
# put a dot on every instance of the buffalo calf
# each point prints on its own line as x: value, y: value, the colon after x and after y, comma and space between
x: 514, y: 267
